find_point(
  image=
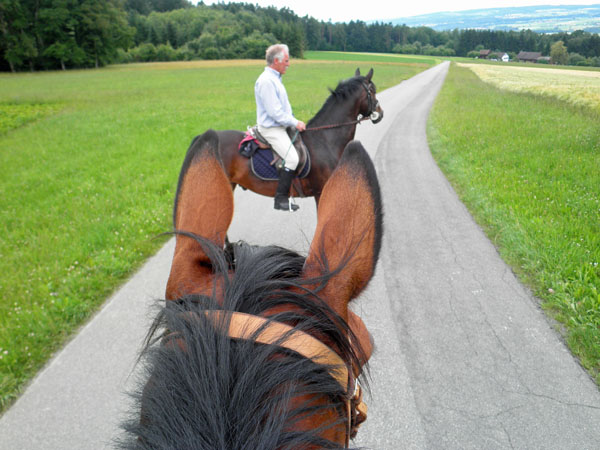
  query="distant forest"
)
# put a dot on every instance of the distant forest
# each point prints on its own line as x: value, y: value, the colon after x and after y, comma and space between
x: 62, y: 34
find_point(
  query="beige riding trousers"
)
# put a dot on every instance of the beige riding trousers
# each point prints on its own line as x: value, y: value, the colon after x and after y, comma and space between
x: 282, y: 144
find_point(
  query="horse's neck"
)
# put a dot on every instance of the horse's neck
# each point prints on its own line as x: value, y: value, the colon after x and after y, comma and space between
x: 337, y: 114
x: 339, y: 117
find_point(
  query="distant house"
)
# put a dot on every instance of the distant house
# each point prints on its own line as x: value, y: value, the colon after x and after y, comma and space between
x: 494, y: 56
x: 503, y: 56
x: 529, y: 56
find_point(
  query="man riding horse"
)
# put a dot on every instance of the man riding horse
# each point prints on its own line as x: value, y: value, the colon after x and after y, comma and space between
x: 274, y: 114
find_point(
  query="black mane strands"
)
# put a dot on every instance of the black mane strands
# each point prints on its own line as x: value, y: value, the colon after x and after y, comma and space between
x: 208, y: 391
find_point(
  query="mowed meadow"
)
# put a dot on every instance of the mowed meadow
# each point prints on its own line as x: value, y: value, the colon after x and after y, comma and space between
x: 89, y: 162
x: 522, y: 148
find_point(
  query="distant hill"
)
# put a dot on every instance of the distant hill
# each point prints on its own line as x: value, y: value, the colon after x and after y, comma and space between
x: 542, y: 19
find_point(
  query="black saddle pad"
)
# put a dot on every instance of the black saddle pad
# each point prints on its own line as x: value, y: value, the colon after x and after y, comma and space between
x: 263, y: 169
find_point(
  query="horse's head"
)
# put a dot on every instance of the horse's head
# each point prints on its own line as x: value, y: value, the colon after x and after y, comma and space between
x: 261, y: 348
x: 370, y: 106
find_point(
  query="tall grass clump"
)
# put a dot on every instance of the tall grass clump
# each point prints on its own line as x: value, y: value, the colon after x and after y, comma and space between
x: 527, y: 167
x: 89, y: 162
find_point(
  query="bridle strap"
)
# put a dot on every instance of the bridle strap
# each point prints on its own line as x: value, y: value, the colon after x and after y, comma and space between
x: 264, y: 331
x: 338, y: 125
x: 369, y: 99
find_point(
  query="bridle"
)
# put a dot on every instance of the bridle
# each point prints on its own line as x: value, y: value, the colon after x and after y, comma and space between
x: 264, y: 331
x: 371, y: 101
x: 372, y: 114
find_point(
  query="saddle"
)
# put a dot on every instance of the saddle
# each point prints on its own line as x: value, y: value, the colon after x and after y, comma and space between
x: 264, y: 162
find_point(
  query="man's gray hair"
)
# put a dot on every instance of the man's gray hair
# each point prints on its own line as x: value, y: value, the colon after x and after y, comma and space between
x: 276, y: 51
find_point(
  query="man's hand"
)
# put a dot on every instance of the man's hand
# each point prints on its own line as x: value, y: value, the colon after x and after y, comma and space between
x: 301, y: 126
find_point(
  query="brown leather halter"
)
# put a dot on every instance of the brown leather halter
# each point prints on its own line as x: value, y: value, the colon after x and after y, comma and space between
x: 264, y: 331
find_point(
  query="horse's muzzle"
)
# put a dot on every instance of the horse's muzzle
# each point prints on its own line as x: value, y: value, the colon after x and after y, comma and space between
x: 376, y: 116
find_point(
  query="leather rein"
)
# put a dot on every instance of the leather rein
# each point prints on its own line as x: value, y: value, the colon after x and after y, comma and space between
x: 264, y: 331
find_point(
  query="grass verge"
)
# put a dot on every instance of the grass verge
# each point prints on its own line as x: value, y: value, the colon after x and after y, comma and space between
x: 527, y: 168
x: 89, y: 162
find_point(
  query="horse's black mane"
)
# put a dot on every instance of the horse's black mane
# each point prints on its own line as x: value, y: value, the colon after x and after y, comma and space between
x: 225, y: 394
x: 344, y: 90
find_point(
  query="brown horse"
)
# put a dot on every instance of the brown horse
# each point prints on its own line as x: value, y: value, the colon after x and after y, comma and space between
x: 325, y: 138
x: 259, y: 348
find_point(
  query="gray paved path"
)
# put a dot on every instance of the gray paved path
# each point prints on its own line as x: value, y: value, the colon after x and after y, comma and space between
x: 465, y: 359
x: 485, y: 369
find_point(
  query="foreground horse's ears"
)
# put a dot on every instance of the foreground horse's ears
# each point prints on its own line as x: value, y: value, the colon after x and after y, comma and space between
x: 203, y: 207
x: 204, y: 204
x: 349, y: 229
x: 357, y: 73
x: 370, y: 75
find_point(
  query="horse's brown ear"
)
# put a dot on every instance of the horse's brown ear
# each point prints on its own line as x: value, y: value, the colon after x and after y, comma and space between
x: 347, y: 240
x: 203, y: 207
x: 370, y: 75
x: 357, y: 73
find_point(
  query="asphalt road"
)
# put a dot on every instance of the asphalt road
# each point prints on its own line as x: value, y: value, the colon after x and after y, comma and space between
x: 465, y: 358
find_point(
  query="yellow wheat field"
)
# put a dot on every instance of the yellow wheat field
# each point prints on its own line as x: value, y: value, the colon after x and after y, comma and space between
x: 578, y: 87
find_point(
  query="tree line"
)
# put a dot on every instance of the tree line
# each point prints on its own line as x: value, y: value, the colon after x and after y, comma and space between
x: 51, y: 34
x: 61, y: 34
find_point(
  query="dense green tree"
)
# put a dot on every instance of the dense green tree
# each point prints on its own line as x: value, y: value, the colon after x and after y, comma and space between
x: 339, y: 38
x: 171, y: 34
x: 594, y: 46
x: 50, y: 34
x: 168, y: 5
x: 357, y: 37
x: 575, y: 59
x: 17, y: 25
x: 139, y: 6
x: 558, y: 53
x: 103, y: 27
x: 58, y: 26
x: 315, y: 32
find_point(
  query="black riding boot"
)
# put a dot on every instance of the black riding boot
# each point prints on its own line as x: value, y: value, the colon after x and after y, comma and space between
x: 282, y: 200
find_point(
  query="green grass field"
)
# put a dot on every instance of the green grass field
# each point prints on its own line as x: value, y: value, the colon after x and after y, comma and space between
x: 368, y: 57
x: 89, y: 162
x: 526, y: 166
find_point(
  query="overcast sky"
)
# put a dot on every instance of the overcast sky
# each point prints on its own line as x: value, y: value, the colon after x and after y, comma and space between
x: 367, y: 10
